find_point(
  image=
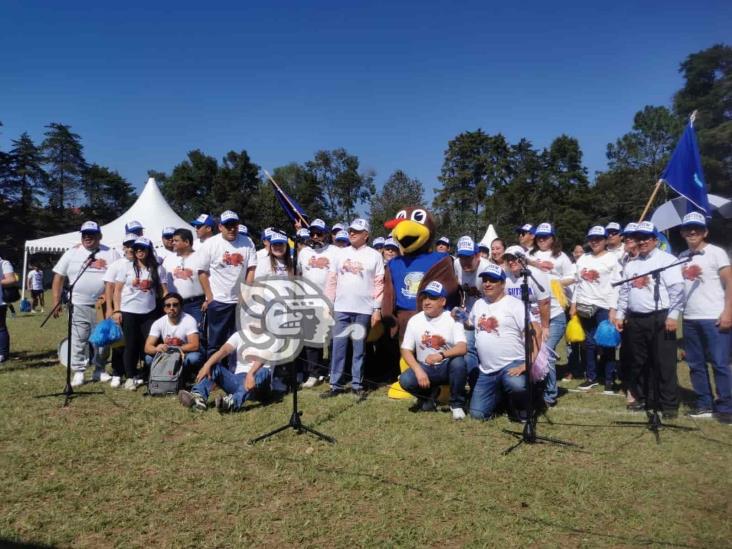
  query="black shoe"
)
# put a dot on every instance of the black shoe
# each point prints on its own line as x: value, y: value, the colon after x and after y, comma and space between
x: 636, y: 406
x: 724, y: 417
x: 587, y: 385
x: 331, y: 393
x: 609, y: 389
x: 360, y: 395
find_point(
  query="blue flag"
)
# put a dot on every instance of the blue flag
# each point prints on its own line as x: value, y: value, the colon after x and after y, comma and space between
x: 684, y: 172
x: 293, y: 210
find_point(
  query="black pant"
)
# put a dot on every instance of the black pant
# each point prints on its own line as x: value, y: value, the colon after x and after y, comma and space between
x: 310, y: 362
x: 4, y: 335
x: 136, y: 328
x: 651, y: 360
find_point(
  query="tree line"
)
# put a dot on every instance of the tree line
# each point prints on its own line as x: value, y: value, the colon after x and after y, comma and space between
x: 50, y: 187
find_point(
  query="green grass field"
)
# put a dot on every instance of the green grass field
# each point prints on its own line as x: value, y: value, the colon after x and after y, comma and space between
x: 121, y: 469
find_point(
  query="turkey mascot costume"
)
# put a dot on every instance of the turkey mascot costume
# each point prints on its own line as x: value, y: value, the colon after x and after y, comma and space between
x: 407, y: 275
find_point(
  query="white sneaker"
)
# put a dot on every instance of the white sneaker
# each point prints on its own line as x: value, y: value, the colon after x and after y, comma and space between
x: 100, y: 375
x: 311, y: 382
x: 458, y: 414
x: 78, y: 379
x: 116, y: 382
x: 139, y: 381
x: 130, y: 384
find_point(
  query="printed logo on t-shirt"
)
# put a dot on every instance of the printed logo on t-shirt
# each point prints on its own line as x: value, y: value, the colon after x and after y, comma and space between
x: 487, y: 324
x: 233, y: 260
x: 590, y: 275
x: 174, y: 341
x: 411, y: 284
x: 516, y: 291
x: 353, y: 267
x: 319, y: 262
x: 545, y: 265
x: 99, y: 264
x: 183, y: 274
x: 144, y: 285
x: 642, y: 282
x: 691, y: 272
x: 432, y: 341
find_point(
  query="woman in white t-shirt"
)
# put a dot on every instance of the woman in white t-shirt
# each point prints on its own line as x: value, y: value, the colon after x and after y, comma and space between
x: 549, y: 257
x: 278, y: 261
x: 594, y: 300
x: 137, y: 288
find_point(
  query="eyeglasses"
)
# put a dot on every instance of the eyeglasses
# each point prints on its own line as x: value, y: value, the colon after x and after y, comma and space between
x: 644, y: 237
x: 171, y: 305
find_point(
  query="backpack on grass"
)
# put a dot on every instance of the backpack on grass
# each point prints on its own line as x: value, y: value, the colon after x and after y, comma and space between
x: 165, y: 373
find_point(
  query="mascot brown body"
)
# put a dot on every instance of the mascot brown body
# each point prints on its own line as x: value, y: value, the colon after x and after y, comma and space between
x: 407, y: 275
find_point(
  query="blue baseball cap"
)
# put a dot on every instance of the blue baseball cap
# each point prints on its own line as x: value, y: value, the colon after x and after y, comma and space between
x: 612, y: 226
x: 434, y: 289
x: 494, y: 272
x: 544, y: 229
x: 229, y: 216
x: 168, y: 231
x: 342, y: 235
x: 90, y: 227
x: 134, y: 227
x: 203, y: 219
x: 318, y: 225
x: 303, y: 234
x: 525, y: 228
x: 143, y: 242
x: 466, y: 247
x: 277, y: 238
x: 694, y: 219
x: 597, y: 231
x: 646, y: 228
x: 443, y: 240
x: 630, y: 228
x: 378, y: 242
x: 391, y: 243
x: 243, y: 229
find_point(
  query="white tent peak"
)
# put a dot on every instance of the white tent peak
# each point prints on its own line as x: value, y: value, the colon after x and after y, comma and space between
x: 151, y: 209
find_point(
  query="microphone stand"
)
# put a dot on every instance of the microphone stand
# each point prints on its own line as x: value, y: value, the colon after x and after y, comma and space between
x: 68, y: 391
x: 529, y: 435
x: 654, y: 423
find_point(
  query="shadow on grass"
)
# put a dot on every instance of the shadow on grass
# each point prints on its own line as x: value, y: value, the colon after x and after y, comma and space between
x: 13, y: 544
x: 27, y: 360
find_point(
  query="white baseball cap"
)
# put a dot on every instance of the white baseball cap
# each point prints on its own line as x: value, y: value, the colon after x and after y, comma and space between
x: 90, y: 227
x: 694, y: 219
x: 646, y: 227
x: 378, y: 242
x: 227, y: 216
x: 544, y: 229
x: 466, y: 246
x: 277, y: 238
x: 319, y: 224
x: 359, y: 224
x: 515, y: 251
x: 597, y: 230
x: 613, y: 226
x: 630, y: 228
x: 435, y: 289
x: 342, y: 235
x: 168, y: 231
x: 493, y: 272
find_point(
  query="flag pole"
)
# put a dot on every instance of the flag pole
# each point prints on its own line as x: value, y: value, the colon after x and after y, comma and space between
x: 277, y: 187
x: 692, y: 118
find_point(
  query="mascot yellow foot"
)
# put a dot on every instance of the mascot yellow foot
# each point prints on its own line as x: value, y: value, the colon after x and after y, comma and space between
x: 397, y: 393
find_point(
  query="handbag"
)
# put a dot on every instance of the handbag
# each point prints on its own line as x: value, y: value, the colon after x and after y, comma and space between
x: 11, y: 294
x: 586, y: 311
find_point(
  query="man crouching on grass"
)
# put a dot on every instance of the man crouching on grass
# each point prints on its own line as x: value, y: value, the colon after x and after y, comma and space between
x: 440, y: 345
x: 250, y: 380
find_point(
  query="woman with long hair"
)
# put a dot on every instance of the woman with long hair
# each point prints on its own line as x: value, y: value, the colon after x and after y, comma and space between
x: 549, y: 257
x: 278, y: 261
x: 498, y: 247
x: 136, y: 291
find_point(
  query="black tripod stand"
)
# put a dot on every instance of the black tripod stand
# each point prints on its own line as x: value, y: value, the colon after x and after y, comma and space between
x: 529, y: 435
x: 295, y: 422
x: 68, y: 391
x: 652, y: 376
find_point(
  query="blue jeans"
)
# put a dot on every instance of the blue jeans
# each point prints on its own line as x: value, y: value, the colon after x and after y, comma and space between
x: 452, y: 371
x: 489, y: 390
x: 340, y: 349
x: 4, y: 335
x: 233, y: 384
x: 193, y: 308
x: 607, y: 356
x: 557, y: 327
x: 221, y: 324
x: 703, y: 342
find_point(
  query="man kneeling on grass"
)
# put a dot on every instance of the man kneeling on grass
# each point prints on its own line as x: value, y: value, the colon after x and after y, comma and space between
x: 250, y: 380
x: 441, y: 345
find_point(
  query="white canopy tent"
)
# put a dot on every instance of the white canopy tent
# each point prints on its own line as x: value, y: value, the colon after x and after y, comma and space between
x: 150, y: 209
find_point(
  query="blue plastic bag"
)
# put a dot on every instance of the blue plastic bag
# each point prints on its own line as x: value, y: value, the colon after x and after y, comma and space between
x: 105, y: 333
x: 25, y: 306
x: 607, y: 335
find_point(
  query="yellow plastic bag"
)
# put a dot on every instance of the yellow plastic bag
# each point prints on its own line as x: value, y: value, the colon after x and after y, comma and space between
x: 575, y: 333
x: 558, y: 293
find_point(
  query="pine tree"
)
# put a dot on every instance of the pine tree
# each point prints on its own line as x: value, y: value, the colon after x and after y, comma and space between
x: 66, y: 165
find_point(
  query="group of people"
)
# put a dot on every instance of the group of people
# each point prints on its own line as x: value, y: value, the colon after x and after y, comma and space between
x: 184, y: 296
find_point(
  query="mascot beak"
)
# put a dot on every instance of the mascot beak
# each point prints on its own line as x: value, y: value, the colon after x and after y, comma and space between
x: 410, y: 235
x: 393, y: 223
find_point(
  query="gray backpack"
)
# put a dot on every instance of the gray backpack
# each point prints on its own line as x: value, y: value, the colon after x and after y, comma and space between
x: 165, y: 373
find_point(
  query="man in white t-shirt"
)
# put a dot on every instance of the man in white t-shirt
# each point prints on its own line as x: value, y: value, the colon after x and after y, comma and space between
x: 87, y: 290
x: 614, y: 239
x: 181, y: 269
x: 35, y: 285
x: 222, y: 260
x: 434, y: 348
x: 167, y: 239
x: 539, y: 291
x: 250, y: 379
x: 313, y: 264
x: 175, y: 329
x: 355, y: 285
x: 707, y: 324
x: 499, y: 337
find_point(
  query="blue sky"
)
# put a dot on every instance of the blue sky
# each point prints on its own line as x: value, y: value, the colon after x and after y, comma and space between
x: 392, y: 82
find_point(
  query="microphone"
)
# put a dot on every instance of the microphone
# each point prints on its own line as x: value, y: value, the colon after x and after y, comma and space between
x: 698, y: 252
x: 93, y: 255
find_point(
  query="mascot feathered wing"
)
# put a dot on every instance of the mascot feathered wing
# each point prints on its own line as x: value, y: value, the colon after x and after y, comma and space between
x: 407, y: 275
